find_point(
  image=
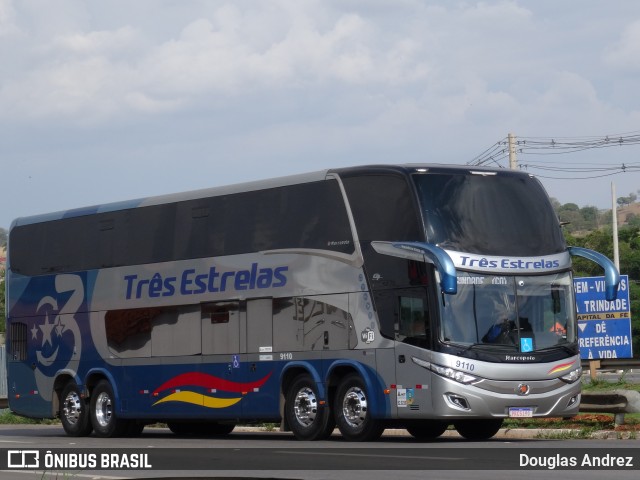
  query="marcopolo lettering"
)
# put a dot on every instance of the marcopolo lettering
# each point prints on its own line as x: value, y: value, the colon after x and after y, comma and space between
x: 193, y: 282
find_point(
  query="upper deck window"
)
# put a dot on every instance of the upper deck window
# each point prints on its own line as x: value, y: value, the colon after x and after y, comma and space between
x: 307, y: 216
x: 498, y: 214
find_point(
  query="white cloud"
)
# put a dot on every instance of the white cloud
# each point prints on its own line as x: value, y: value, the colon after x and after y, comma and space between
x: 455, y: 61
x: 76, y: 72
x: 625, y: 54
x: 7, y: 19
x: 97, y: 42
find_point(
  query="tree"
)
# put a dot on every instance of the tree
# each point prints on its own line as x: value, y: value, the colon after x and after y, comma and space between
x: 590, y: 217
x: 569, y: 214
x: 632, y: 220
x: 2, y: 315
x: 3, y: 244
x: 578, y: 219
x: 622, y: 201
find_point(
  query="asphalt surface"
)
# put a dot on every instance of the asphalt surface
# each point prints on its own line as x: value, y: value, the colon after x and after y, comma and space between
x: 507, y: 433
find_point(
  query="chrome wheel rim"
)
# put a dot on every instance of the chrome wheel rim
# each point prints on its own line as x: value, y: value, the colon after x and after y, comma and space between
x: 305, y: 406
x: 104, y: 409
x: 72, y: 408
x: 354, y: 407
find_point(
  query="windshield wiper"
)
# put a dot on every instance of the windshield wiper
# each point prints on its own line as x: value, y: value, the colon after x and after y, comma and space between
x: 555, y: 347
x: 487, y: 346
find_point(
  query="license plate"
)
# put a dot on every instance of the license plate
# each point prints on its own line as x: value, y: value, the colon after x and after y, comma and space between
x: 520, y: 412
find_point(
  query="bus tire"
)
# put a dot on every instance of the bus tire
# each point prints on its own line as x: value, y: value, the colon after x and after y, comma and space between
x: 216, y: 428
x: 105, y: 422
x: 181, y: 428
x: 307, y: 418
x: 74, y: 412
x: 426, y: 429
x: 352, y: 412
x: 481, y: 429
x: 201, y: 429
x: 134, y: 428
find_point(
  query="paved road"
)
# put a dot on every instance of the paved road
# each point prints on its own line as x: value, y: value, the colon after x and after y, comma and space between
x: 278, y: 455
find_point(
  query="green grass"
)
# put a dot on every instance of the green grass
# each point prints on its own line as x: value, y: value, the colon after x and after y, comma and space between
x: 599, y: 383
x: 581, y: 433
x: 8, y: 418
x: 588, y: 421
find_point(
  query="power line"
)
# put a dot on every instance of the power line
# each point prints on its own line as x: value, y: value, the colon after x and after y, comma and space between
x: 624, y: 167
x: 541, y: 146
x: 491, y: 153
x: 578, y: 178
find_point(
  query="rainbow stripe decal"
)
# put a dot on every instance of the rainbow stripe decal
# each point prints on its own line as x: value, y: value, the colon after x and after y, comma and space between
x: 209, y: 382
x: 560, y: 368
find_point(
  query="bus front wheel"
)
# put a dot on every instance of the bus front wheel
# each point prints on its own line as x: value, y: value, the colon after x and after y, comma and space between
x: 427, y: 429
x: 201, y: 428
x: 74, y: 412
x: 353, y: 415
x: 478, y: 429
x: 103, y: 416
x: 308, y: 419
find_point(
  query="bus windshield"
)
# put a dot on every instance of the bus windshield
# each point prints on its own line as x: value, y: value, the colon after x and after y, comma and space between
x: 490, y: 214
x: 523, y: 313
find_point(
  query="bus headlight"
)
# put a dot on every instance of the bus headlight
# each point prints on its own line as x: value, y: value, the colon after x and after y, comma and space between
x: 457, y: 375
x: 573, y: 376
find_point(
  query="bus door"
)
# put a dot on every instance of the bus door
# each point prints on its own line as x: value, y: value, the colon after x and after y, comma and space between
x: 222, y: 359
x: 413, y: 333
x: 261, y: 393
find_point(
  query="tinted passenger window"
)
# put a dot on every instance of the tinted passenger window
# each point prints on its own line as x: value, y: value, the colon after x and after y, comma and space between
x: 498, y: 214
x: 383, y: 208
x: 309, y: 216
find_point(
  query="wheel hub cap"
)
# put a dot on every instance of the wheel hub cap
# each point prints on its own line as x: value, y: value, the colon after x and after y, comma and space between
x: 103, y: 409
x: 72, y: 408
x: 305, y: 407
x: 354, y: 407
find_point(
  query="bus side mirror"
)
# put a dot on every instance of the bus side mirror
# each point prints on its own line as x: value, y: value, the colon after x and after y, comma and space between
x: 424, y: 252
x: 445, y: 268
x: 611, y: 274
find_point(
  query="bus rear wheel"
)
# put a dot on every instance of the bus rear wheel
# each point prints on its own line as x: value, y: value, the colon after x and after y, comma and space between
x: 74, y: 412
x: 221, y: 428
x: 353, y: 415
x: 103, y: 416
x: 200, y: 429
x: 306, y: 417
x: 427, y: 429
x: 134, y: 428
x: 478, y: 429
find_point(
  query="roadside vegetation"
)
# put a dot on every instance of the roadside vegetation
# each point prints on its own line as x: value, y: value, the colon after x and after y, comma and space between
x: 600, y: 383
x: 8, y: 418
x: 584, y: 421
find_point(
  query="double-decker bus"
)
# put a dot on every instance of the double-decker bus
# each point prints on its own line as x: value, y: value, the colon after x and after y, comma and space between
x: 405, y: 296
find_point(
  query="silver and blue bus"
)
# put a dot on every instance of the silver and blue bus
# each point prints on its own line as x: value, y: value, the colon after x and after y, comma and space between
x: 363, y: 298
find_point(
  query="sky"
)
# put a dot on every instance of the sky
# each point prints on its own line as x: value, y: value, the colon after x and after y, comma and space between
x: 102, y: 101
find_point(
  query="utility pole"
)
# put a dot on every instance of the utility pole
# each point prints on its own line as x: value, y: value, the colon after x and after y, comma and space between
x: 594, y: 365
x: 614, y: 213
x: 513, y: 159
